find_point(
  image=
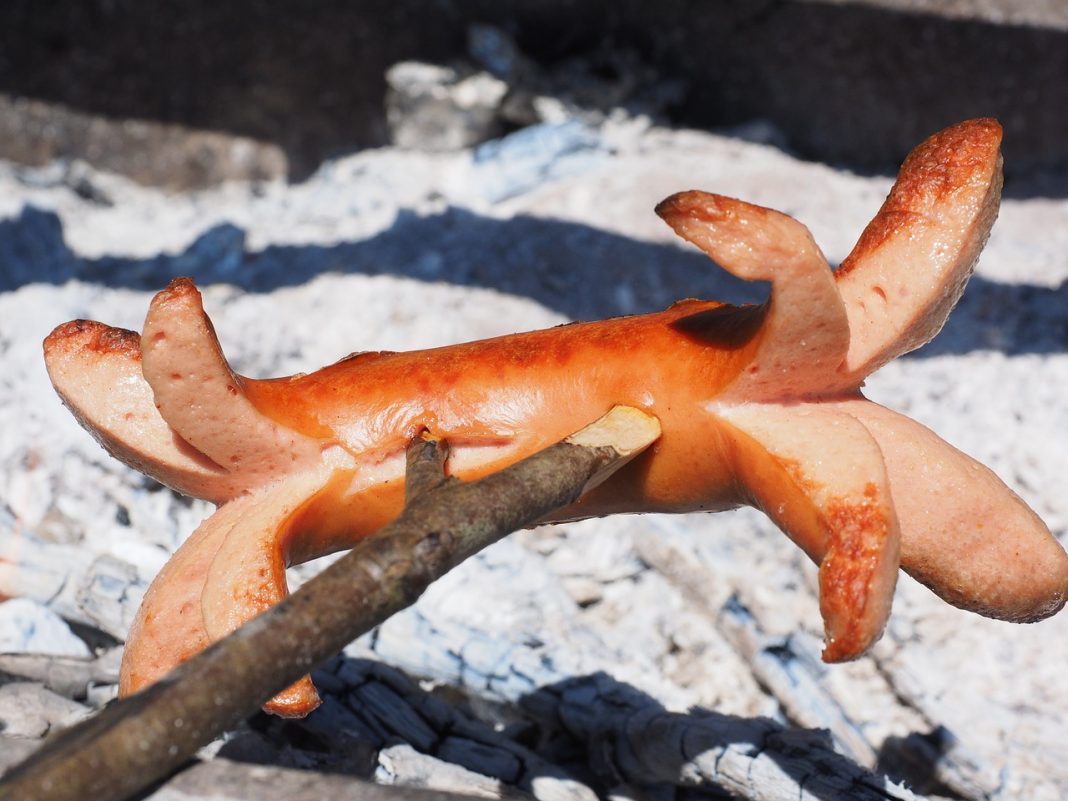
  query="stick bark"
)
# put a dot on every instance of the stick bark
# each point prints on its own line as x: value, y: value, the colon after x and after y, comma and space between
x: 141, y: 739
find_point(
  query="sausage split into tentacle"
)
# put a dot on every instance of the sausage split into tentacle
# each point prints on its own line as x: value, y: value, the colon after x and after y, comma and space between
x: 911, y: 264
x: 819, y: 474
x: 758, y: 405
x: 202, y: 399
x: 804, y: 333
x: 169, y: 626
x: 964, y: 534
x: 96, y: 369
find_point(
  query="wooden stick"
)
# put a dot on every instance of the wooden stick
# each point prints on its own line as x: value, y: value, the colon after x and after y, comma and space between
x: 141, y: 739
x: 425, y: 466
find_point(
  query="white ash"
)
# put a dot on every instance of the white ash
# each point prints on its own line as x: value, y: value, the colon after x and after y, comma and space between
x: 430, y: 107
x: 28, y: 710
x: 31, y: 627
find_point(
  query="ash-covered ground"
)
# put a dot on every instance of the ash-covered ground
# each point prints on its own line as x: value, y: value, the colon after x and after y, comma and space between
x: 396, y: 249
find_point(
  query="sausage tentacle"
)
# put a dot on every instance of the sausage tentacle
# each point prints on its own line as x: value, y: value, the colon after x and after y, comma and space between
x: 819, y: 475
x: 230, y: 569
x: 964, y: 534
x: 804, y: 334
x: 911, y: 263
x: 169, y: 625
x: 202, y: 399
x: 247, y: 575
x: 96, y: 369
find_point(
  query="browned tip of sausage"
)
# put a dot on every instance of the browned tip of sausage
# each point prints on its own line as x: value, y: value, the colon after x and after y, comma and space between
x: 89, y: 335
x: 1028, y: 584
x: 692, y: 203
x: 958, y: 157
x: 857, y: 575
x: 178, y: 289
x: 701, y: 206
x: 298, y: 700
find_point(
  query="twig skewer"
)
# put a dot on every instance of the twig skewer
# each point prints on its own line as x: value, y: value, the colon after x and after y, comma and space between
x: 139, y: 740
